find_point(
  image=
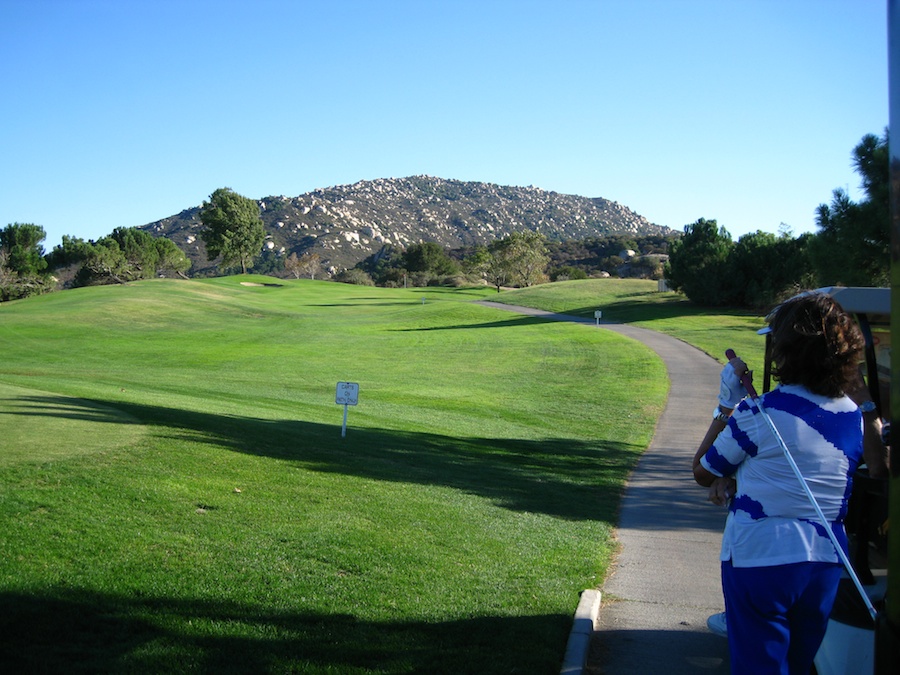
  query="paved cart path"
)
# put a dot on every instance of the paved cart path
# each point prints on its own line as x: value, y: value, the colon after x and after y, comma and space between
x: 665, y: 581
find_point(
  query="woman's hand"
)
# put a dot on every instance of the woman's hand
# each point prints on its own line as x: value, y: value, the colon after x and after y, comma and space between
x: 731, y: 389
x: 721, y: 490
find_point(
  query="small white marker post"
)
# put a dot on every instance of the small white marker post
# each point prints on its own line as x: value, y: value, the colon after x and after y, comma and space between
x: 597, y: 315
x: 347, y: 394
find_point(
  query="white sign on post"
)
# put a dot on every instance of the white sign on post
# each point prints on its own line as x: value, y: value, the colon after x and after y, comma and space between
x: 598, y: 315
x: 347, y: 394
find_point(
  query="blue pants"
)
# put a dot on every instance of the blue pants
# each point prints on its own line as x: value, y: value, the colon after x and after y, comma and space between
x: 777, y: 615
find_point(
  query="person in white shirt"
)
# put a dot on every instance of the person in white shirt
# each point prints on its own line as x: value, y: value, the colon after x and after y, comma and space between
x: 780, y: 570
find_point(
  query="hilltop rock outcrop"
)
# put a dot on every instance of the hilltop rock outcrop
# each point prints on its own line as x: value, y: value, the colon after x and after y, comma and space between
x: 346, y: 223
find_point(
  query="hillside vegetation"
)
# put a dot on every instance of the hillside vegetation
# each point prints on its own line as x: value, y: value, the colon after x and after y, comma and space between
x: 177, y: 497
x: 345, y: 224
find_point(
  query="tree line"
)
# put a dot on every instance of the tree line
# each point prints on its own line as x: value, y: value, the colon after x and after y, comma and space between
x: 852, y: 247
x: 517, y: 260
x: 520, y: 259
x: 127, y: 254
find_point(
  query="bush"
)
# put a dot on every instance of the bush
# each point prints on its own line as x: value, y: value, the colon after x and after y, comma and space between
x: 567, y: 273
x: 354, y: 276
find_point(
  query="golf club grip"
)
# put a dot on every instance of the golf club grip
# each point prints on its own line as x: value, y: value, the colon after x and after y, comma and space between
x: 745, y: 378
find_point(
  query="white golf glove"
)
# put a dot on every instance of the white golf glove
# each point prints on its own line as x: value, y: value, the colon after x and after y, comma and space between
x: 731, y: 389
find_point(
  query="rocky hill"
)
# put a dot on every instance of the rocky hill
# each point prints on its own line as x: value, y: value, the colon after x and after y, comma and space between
x: 347, y: 223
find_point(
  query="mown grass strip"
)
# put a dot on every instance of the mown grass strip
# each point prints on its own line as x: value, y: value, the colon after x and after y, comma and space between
x: 638, y: 301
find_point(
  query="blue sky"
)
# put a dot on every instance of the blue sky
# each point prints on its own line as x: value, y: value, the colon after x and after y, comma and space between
x: 116, y: 114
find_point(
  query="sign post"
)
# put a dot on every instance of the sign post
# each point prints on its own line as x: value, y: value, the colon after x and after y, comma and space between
x: 597, y: 315
x: 347, y: 394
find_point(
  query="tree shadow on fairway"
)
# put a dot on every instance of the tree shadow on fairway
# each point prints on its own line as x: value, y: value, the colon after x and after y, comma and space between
x: 630, y: 311
x: 565, y: 478
x: 506, y: 323
x: 372, y: 303
x: 82, y: 631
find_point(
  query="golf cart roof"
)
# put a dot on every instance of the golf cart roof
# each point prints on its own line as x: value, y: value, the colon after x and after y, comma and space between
x: 861, y: 300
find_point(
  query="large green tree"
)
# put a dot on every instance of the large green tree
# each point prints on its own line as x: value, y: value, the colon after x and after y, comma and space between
x: 24, y: 252
x: 698, y: 263
x: 852, y: 246
x: 519, y: 259
x: 232, y: 228
x: 489, y: 265
x: 530, y: 258
x: 763, y: 268
x: 429, y: 257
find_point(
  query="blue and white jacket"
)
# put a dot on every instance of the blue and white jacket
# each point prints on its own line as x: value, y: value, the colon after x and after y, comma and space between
x: 771, y: 520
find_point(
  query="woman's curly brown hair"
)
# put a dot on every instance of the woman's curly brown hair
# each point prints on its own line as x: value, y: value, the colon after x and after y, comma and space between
x: 815, y: 343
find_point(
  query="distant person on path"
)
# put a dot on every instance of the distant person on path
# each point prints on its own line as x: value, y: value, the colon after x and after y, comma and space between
x: 780, y: 571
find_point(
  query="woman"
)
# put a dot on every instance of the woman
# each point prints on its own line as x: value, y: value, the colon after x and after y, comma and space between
x: 780, y: 571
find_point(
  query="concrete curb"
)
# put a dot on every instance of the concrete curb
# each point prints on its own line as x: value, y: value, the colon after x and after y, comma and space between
x: 583, y: 627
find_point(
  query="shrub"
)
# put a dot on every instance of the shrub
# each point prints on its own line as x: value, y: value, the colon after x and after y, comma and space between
x: 354, y: 276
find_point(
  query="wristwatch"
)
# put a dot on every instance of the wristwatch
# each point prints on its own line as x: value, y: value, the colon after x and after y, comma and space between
x: 719, y: 416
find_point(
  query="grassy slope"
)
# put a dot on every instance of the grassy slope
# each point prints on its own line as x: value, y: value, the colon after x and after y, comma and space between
x: 176, y: 495
x: 637, y: 301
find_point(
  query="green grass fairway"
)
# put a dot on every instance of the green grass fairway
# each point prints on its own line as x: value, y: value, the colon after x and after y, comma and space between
x: 637, y: 301
x: 176, y: 496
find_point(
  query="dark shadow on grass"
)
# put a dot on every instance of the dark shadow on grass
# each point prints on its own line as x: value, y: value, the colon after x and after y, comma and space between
x: 565, y: 478
x: 507, y: 323
x: 407, y: 303
x: 630, y: 311
x: 80, y: 631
